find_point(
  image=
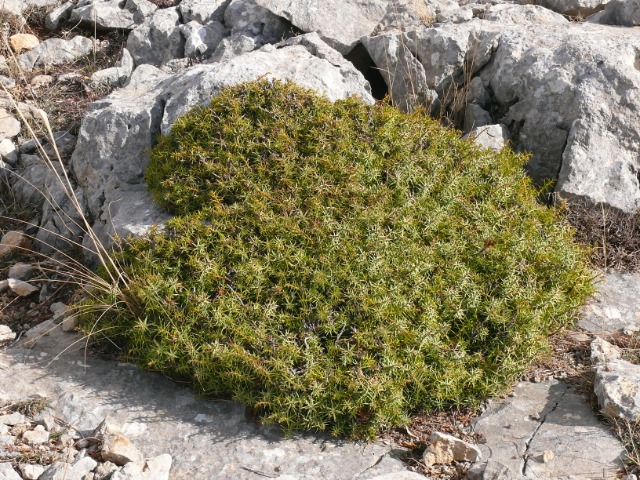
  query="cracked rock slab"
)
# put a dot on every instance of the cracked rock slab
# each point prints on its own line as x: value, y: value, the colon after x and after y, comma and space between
x: 548, y: 417
x: 208, y: 439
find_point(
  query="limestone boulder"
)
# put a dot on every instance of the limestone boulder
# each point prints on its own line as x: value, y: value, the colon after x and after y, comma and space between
x: 55, y: 51
x: 157, y: 40
x: 203, y: 11
x: 202, y: 40
x: 111, y: 14
x: 340, y: 23
x: 248, y: 18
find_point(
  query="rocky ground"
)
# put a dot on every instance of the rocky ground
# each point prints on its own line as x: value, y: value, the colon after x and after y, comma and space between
x: 483, y: 66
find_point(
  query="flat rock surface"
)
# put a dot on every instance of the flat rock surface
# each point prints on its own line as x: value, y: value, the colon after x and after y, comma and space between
x: 549, y: 417
x: 207, y: 439
x: 615, y: 307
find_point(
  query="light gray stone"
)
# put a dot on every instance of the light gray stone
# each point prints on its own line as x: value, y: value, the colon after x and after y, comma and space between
x: 617, y: 382
x: 522, y: 14
x: 203, y: 11
x: 398, y: 476
x: 8, y: 473
x: 9, y: 152
x: 575, y: 8
x: 156, y: 468
x: 21, y: 288
x: 55, y: 51
x: 31, y: 471
x: 475, y: 117
x: 233, y: 46
x: 12, y: 241
x: 11, y: 419
x: 104, y: 470
x: 158, y: 39
x: 201, y: 41
x: 548, y: 416
x: 117, y: 75
x: 493, y: 470
x: 614, y: 307
x: 405, y: 15
x: 446, y: 449
x: 9, y: 125
x: 494, y: 137
x: 340, y: 23
x: 619, y: 12
x: 6, y: 334
x: 37, y: 436
x: 112, y: 14
x: 114, y: 447
x: 59, y: 14
x: 68, y: 471
x: 20, y: 271
x: 248, y: 18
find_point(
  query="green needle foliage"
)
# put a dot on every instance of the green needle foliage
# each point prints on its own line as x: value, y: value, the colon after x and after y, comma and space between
x: 338, y: 266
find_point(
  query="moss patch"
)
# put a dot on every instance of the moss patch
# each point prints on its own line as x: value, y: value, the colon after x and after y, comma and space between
x: 338, y: 266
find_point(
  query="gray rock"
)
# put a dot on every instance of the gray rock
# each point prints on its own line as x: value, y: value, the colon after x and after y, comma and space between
x: 8, y: 473
x: 614, y: 307
x: 156, y: 468
x: 203, y: 11
x: 446, y: 449
x: 21, y: 288
x: 9, y: 152
x: 59, y: 14
x: 575, y: 8
x: 248, y: 18
x: 117, y: 75
x: 12, y: 241
x: 619, y: 12
x: 68, y: 471
x: 548, y: 416
x: 112, y: 14
x: 493, y: 470
x: 9, y: 125
x: 158, y: 39
x: 6, y: 335
x: 405, y: 15
x: 21, y: 271
x: 475, y: 117
x: 114, y: 447
x: 7, y: 82
x: 104, y: 470
x: 37, y: 436
x: 233, y: 46
x: 617, y: 382
x: 12, y: 419
x: 55, y: 51
x: 340, y: 23
x: 30, y: 471
x: 521, y: 14
x: 201, y: 41
x: 116, y: 134
x: 87, y: 389
x: 494, y: 137
x: 64, y: 142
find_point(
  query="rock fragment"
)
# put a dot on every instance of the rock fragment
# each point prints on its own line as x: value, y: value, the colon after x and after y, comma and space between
x: 36, y: 436
x: 12, y: 241
x: 21, y: 288
x: 6, y: 335
x: 9, y: 125
x: 23, y: 41
x: 445, y: 449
